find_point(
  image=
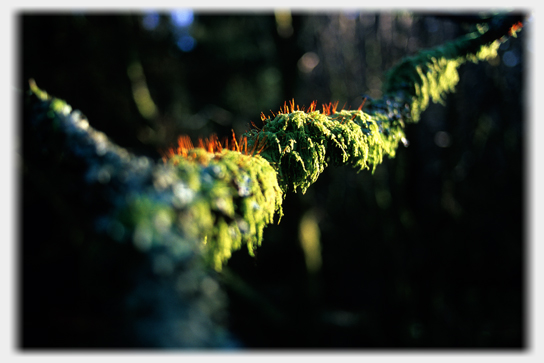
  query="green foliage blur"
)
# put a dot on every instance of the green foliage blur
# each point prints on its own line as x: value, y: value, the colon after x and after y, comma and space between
x: 426, y: 252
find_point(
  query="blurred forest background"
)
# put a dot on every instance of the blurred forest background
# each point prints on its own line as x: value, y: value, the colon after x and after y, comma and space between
x: 428, y: 251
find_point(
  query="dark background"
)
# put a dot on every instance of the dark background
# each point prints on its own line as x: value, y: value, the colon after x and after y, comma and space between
x: 428, y: 251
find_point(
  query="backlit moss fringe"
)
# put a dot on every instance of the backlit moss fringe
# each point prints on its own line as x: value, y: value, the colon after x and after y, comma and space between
x: 300, y: 144
x: 233, y: 197
x: 433, y: 73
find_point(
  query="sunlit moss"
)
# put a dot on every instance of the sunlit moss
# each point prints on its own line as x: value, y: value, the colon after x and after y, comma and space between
x: 301, y: 144
x: 236, y: 197
x: 55, y: 105
x: 34, y: 89
x: 431, y: 74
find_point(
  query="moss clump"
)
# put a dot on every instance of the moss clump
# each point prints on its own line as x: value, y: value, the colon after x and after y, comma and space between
x: 433, y: 73
x: 301, y: 144
x: 232, y: 198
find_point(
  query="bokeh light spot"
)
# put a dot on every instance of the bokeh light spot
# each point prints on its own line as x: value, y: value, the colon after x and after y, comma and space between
x: 308, y: 62
x: 182, y: 17
x: 150, y: 20
x: 442, y: 139
x: 186, y: 43
x: 510, y: 59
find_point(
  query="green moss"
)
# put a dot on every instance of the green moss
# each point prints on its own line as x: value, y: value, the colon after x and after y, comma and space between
x: 34, y: 89
x: 236, y: 197
x: 433, y: 73
x: 300, y: 145
x: 296, y: 145
x: 56, y: 104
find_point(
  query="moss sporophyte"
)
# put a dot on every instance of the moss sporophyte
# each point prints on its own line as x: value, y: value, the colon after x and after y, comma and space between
x: 240, y: 183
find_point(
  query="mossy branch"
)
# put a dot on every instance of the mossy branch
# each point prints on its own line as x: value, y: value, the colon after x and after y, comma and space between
x: 215, y: 197
x: 433, y: 73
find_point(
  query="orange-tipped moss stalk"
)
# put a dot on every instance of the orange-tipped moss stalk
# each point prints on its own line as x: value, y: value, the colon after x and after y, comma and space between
x: 212, y: 145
